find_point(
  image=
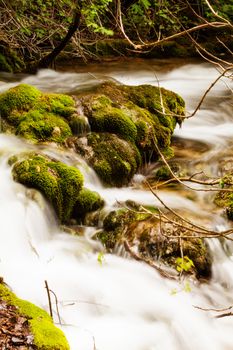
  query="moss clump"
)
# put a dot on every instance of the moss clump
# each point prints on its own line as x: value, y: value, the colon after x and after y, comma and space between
x: 37, y: 116
x: 115, y: 160
x: 59, y: 104
x: 59, y: 183
x: 105, y: 117
x: 46, y: 335
x: 223, y: 198
x: 115, y: 226
x: 86, y: 202
x: 163, y: 173
x: 164, y: 104
x: 36, y: 126
x: 18, y: 99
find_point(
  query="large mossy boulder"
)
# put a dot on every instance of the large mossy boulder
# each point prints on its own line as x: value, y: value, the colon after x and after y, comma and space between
x: 143, y: 115
x: 115, y: 127
x: 61, y: 184
x: 143, y: 232
x: 45, y: 336
x: 114, y: 159
x: 35, y: 115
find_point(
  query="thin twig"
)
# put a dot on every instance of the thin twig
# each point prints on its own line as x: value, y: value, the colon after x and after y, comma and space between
x: 49, y: 299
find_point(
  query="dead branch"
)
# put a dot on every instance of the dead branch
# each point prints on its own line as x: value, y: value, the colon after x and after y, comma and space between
x: 49, y: 299
x: 56, y: 302
x: 148, y: 262
x: 188, y: 179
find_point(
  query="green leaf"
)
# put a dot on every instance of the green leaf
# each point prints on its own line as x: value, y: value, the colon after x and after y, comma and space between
x: 184, y: 264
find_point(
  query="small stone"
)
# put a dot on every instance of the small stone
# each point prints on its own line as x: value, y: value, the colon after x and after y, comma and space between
x: 16, y: 340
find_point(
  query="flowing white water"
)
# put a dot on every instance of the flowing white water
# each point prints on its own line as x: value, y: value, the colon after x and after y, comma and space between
x: 119, y: 304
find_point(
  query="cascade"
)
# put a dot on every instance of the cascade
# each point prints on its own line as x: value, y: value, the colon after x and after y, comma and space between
x: 118, y: 303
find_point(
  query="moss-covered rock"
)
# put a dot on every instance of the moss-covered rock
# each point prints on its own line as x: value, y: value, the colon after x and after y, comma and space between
x: 126, y: 123
x: 37, y: 126
x: 35, y: 115
x: 143, y: 114
x: 45, y: 335
x: 142, y: 230
x: 87, y: 201
x: 224, y: 198
x: 79, y: 124
x: 20, y: 98
x: 61, y: 184
x: 115, y: 160
x: 105, y: 117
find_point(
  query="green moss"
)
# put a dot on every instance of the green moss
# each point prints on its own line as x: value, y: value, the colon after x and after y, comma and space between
x: 115, y: 224
x: 107, y: 118
x: 60, y: 183
x: 119, y: 109
x: 46, y: 335
x: 36, y: 126
x: 20, y: 98
x: 58, y: 104
x: 163, y: 173
x: 223, y: 198
x: 164, y: 104
x: 86, y: 202
x: 79, y: 124
x: 115, y: 160
x: 37, y: 116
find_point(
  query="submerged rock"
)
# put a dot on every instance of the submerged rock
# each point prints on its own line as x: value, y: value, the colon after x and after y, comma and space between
x: 43, y: 335
x: 142, y: 230
x: 61, y: 184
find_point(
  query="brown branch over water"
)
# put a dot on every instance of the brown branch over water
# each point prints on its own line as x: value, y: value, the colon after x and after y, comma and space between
x: 137, y: 257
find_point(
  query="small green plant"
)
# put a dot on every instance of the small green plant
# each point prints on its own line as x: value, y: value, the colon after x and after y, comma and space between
x: 184, y: 264
x: 221, y: 183
x: 101, y: 258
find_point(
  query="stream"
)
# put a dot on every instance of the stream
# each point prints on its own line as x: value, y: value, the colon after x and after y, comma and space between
x: 121, y: 303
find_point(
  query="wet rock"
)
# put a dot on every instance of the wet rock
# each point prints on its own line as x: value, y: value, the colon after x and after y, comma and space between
x: 61, y: 184
x: 114, y: 159
x: 160, y: 243
x: 142, y: 114
x: 224, y: 197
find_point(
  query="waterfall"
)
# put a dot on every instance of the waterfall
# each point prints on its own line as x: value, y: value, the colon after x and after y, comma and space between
x: 118, y: 303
